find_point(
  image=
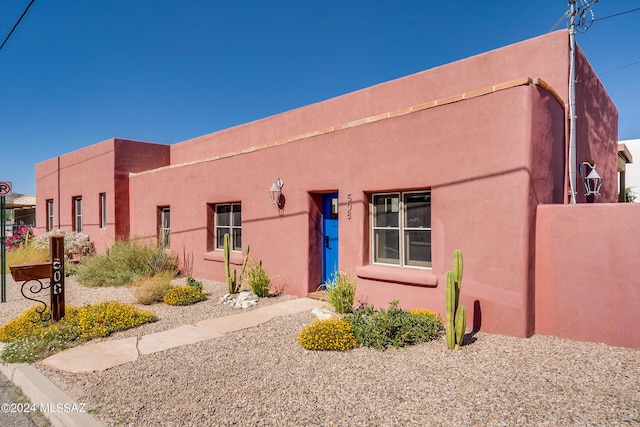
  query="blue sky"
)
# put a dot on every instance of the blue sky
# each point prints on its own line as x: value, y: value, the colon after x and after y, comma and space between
x: 75, y: 73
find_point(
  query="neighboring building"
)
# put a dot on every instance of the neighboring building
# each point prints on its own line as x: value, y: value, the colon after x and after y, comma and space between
x: 632, y: 170
x: 383, y: 183
x: 22, y: 210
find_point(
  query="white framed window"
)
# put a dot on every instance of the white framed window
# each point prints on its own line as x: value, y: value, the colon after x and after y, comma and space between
x: 401, y: 228
x: 103, y: 210
x: 164, y: 226
x: 50, y: 224
x: 77, y: 214
x: 228, y: 220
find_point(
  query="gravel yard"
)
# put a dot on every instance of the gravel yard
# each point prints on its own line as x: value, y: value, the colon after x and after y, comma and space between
x: 262, y: 377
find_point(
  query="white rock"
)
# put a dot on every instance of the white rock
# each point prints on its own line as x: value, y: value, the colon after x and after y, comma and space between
x: 321, y: 313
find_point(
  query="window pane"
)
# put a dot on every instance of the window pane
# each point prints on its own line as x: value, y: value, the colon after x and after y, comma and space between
x: 237, y: 239
x: 417, y: 248
x: 220, y: 232
x: 237, y: 215
x: 417, y: 210
x: 385, y: 210
x: 386, y: 246
x: 166, y: 218
x: 223, y: 215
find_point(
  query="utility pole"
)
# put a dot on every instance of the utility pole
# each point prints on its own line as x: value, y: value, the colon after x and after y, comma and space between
x: 572, y: 99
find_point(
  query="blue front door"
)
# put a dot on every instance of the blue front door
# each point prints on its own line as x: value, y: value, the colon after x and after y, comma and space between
x: 329, y: 236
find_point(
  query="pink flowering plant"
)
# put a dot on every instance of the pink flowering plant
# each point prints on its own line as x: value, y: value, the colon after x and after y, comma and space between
x: 20, y: 236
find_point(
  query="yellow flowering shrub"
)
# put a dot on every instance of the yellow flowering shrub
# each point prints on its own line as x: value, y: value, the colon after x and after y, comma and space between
x: 96, y: 320
x: 329, y: 334
x: 424, y: 312
x: 28, y: 324
x: 105, y: 317
x: 184, y: 295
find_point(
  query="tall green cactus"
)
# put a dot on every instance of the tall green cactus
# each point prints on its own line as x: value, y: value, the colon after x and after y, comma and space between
x: 233, y: 283
x: 456, y: 315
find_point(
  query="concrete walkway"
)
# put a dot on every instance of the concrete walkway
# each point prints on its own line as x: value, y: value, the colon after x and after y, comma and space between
x: 94, y: 357
x: 61, y: 409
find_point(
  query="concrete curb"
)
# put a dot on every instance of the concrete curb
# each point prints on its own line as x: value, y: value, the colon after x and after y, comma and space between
x: 59, y: 408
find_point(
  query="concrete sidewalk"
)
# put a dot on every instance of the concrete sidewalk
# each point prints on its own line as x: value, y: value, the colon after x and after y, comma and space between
x: 94, y: 357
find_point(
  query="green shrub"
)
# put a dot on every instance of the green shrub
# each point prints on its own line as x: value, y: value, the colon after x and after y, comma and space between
x: 32, y: 339
x: 184, y: 295
x: 341, y: 292
x: 392, y: 327
x: 258, y: 279
x: 31, y: 349
x: 123, y: 262
x: 193, y: 282
x: 148, y: 290
x: 329, y: 334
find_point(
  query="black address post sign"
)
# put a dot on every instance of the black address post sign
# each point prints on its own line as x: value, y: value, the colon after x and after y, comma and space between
x: 57, y: 277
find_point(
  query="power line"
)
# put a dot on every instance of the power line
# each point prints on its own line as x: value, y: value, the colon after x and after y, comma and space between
x: 593, y: 76
x: 617, y: 14
x: 16, y: 24
x: 620, y: 68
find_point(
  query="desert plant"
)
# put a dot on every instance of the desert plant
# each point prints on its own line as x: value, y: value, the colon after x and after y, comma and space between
x: 392, y: 327
x: 150, y: 289
x: 123, y: 262
x: 30, y: 339
x: 341, y: 292
x: 329, y: 334
x: 456, y: 315
x: 258, y: 279
x: 26, y: 254
x: 161, y: 260
x: 184, y: 295
x: 193, y: 282
x: 233, y: 282
x: 21, y: 236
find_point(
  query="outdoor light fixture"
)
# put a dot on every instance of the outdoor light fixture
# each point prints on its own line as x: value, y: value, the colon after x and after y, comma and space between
x: 275, y: 192
x: 592, y: 181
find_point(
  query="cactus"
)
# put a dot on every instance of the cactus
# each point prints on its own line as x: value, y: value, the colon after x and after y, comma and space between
x: 233, y: 283
x: 456, y: 315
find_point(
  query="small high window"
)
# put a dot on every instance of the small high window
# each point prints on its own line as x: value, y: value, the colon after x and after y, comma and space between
x: 103, y: 210
x: 50, y: 224
x: 164, y: 227
x: 77, y: 214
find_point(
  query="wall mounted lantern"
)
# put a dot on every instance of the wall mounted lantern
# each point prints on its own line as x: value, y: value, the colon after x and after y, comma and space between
x: 275, y: 192
x: 592, y: 180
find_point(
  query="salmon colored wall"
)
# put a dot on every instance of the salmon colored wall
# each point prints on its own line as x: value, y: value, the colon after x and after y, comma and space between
x: 597, y: 131
x: 530, y: 58
x: 587, y: 272
x: 480, y: 170
x: 87, y: 173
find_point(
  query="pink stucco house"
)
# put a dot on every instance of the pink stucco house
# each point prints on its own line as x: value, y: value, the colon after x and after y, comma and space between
x: 385, y: 183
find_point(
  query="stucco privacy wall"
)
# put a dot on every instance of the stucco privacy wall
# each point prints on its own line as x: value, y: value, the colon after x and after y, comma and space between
x: 481, y: 176
x: 527, y: 58
x: 587, y: 272
x: 99, y: 168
